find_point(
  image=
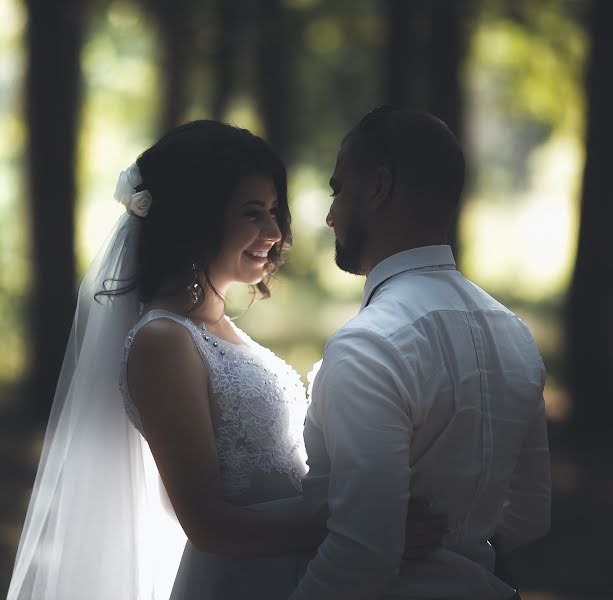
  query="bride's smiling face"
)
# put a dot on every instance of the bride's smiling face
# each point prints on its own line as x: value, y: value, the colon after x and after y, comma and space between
x: 250, y: 231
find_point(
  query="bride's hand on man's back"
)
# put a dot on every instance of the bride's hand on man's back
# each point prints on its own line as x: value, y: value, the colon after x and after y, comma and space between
x: 424, y: 530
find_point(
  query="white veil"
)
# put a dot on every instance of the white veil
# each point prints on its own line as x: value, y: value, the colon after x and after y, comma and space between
x: 96, y: 527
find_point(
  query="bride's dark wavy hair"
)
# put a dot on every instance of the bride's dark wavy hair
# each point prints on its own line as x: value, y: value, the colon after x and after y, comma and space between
x: 192, y: 172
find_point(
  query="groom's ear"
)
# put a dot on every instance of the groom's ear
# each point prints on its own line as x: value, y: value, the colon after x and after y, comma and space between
x: 381, y: 187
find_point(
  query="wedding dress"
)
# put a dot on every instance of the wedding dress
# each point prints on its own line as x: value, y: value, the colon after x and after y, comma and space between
x: 258, y: 406
x: 98, y: 525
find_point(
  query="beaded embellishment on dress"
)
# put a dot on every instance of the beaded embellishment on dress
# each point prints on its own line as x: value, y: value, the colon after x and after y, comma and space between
x: 258, y: 406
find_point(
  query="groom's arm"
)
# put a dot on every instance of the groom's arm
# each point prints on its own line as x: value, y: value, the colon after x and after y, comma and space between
x: 364, y: 414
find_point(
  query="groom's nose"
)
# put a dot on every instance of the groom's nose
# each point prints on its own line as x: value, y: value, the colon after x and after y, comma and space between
x: 329, y: 220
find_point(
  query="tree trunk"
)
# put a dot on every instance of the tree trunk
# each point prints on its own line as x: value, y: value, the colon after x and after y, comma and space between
x: 229, y: 25
x: 274, y: 59
x: 590, y: 302
x: 174, y: 19
x: 53, y: 85
x: 446, y: 55
x: 405, y: 78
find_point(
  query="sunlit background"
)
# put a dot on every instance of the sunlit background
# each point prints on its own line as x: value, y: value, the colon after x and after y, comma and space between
x: 523, y: 132
x: 518, y: 227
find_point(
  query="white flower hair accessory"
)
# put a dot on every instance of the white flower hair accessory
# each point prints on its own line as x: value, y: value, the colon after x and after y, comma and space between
x: 136, y: 203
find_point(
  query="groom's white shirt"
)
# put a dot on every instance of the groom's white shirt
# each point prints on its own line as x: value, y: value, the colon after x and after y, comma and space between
x: 434, y: 390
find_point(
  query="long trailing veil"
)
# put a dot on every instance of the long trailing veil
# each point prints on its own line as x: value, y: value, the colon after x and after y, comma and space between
x: 97, y: 526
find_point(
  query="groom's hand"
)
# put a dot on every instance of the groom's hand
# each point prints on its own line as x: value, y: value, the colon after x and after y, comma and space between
x: 424, y: 530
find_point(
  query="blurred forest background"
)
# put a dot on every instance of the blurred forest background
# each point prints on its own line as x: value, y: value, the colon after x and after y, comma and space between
x: 86, y: 85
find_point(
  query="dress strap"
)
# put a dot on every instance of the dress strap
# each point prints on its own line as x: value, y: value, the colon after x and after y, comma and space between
x: 158, y: 313
x: 192, y: 328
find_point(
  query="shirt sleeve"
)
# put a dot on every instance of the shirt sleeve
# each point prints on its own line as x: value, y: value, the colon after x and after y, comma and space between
x: 527, y: 505
x: 364, y: 414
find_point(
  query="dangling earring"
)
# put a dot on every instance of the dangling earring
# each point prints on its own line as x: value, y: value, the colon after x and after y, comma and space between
x: 193, y: 287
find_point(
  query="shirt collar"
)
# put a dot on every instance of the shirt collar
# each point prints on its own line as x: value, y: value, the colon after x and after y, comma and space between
x: 408, y: 260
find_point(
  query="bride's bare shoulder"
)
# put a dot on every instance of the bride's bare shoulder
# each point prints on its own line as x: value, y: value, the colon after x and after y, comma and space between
x: 160, y: 334
x: 163, y: 349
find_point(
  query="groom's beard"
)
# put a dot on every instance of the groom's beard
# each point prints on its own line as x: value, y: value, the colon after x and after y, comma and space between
x: 349, y: 254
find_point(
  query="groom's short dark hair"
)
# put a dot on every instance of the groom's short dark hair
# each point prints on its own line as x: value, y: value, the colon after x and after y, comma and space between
x: 419, y: 149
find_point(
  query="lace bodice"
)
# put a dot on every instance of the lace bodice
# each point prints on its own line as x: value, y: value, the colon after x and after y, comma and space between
x: 258, y: 406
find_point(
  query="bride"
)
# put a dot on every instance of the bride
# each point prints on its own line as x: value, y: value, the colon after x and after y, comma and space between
x: 218, y: 416
x: 173, y: 457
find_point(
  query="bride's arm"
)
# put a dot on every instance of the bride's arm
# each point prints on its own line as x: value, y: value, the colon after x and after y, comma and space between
x: 168, y: 383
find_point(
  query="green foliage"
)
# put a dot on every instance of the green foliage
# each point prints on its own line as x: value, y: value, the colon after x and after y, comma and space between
x: 15, y: 270
x: 523, y: 85
x: 525, y: 77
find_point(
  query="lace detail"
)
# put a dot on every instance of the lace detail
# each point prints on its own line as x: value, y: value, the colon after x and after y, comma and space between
x: 258, y: 405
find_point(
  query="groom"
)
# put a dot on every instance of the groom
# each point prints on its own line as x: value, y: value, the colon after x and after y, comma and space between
x: 433, y: 391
